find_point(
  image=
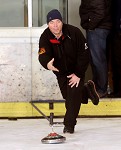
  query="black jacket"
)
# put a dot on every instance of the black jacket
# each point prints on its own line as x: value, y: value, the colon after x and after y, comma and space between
x: 95, y: 14
x: 69, y: 52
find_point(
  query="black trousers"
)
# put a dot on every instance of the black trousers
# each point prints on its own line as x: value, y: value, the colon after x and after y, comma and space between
x: 116, y: 63
x: 74, y: 97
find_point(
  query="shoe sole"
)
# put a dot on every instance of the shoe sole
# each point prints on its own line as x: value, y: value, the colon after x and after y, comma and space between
x: 68, y: 132
x: 95, y: 102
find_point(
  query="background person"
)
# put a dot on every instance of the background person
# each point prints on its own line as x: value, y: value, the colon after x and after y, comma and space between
x: 96, y: 20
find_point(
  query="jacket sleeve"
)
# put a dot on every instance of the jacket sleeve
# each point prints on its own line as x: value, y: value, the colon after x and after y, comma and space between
x: 97, y: 13
x: 45, y: 54
x: 92, y: 13
x: 82, y: 55
x: 83, y: 13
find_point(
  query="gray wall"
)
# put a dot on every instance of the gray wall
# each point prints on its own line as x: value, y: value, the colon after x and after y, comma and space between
x: 22, y: 78
x: 73, y: 13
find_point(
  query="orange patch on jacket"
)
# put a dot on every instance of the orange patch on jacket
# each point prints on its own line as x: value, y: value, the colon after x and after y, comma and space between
x: 41, y: 51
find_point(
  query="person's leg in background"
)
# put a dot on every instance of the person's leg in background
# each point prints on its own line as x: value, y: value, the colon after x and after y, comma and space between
x: 97, y: 44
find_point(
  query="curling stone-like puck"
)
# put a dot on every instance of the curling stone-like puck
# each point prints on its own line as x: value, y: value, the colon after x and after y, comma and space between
x: 53, y: 138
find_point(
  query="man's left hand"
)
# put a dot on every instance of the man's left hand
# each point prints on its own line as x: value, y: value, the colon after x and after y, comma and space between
x: 74, y: 80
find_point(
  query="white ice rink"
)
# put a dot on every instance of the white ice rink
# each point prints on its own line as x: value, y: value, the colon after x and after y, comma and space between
x: 90, y: 134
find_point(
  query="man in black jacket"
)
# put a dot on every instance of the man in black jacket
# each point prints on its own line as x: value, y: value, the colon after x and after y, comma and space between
x: 96, y: 20
x: 63, y: 49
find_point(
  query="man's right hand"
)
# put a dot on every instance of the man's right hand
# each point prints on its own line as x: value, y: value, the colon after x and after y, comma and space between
x: 51, y: 67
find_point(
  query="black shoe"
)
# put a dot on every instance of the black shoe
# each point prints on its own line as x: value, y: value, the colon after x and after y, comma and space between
x: 92, y: 93
x: 68, y: 130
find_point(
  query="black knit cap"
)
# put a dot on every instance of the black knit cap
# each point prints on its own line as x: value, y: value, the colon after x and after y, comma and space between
x: 53, y: 14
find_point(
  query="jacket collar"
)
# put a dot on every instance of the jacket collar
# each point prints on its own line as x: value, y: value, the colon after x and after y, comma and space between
x: 65, y: 35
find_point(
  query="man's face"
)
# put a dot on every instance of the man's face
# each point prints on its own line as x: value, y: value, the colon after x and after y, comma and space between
x: 55, y: 26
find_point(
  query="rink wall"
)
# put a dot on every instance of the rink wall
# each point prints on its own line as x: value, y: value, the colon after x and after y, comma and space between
x: 23, y: 79
x: 106, y: 108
